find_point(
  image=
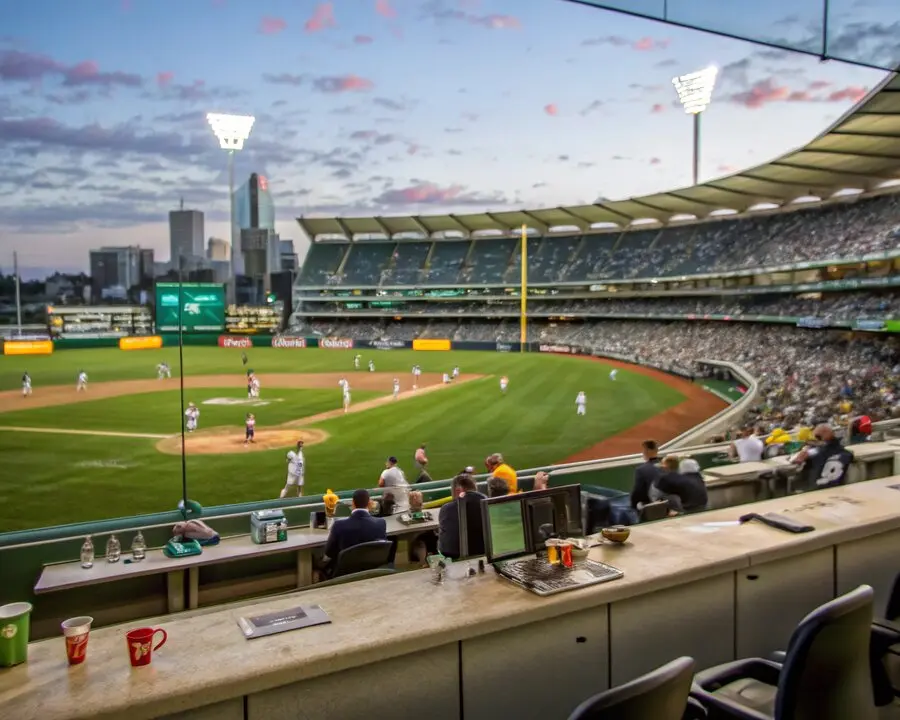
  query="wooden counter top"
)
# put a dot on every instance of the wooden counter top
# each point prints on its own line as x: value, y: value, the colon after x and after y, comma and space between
x: 207, y: 659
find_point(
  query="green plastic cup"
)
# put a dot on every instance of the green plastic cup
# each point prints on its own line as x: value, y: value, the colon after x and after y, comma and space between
x: 15, y: 625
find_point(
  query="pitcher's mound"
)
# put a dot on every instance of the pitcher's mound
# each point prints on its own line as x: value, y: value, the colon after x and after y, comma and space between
x: 220, y: 441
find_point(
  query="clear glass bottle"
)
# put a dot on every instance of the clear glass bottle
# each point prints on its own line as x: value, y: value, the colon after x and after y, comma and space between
x: 138, y: 547
x: 87, y: 553
x: 113, y: 549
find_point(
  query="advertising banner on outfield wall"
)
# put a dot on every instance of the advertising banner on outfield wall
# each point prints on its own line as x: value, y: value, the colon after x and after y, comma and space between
x: 240, y: 342
x: 336, y: 343
x: 431, y: 344
x: 148, y: 342
x: 384, y: 344
x: 565, y: 349
x: 283, y: 341
x: 28, y: 347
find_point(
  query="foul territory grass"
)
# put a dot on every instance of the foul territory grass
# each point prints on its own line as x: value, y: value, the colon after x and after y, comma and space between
x: 51, y: 479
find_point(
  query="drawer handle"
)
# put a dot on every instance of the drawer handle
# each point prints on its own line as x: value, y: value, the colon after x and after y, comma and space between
x: 753, y: 577
x: 581, y: 639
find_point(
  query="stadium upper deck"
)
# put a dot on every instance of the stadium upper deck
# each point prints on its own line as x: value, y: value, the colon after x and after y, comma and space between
x: 612, y: 240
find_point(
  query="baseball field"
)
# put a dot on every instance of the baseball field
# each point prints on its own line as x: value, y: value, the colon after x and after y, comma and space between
x: 115, y: 449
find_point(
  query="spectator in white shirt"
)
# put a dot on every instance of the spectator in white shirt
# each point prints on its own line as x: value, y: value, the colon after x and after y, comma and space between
x: 748, y: 447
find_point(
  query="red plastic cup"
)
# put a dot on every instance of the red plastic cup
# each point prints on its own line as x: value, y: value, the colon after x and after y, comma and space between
x: 140, y: 645
x: 76, y: 631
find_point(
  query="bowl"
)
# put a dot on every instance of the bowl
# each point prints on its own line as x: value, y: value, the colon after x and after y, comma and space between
x: 616, y: 533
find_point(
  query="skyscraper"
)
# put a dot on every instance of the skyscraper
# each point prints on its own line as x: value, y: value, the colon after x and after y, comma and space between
x: 185, y: 235
x: 259, y: 256
x: 218, y: 249
x: 253, y: 206
x: 119, y: 269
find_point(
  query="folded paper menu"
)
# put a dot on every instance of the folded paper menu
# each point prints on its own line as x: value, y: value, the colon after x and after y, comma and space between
x: 282, y: 621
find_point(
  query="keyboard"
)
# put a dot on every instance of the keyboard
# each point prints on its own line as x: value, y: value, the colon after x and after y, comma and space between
x: 539, y: 576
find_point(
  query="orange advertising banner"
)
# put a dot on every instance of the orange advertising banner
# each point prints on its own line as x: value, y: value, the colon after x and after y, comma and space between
x: 28, y: 347
x: 150, y: 342
x: 431, y: 344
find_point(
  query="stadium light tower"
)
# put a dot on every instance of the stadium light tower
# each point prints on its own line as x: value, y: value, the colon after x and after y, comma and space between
x: 695, y: 94
x: 232, y: 132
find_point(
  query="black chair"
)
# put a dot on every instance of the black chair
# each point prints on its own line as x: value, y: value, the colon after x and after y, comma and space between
x: 365, y: 556
x: 825, y: 674
x: 473, y: 524
x: 885, y: 650
x: 654, y: 511
x: 659, y: 695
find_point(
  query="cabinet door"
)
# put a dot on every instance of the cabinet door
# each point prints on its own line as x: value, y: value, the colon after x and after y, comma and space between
x: 650, y: 630
x: 228, y: 710
x: 772, y: 599
x: 424, y: 684
x: 542, y: 670
x: 872, y: 561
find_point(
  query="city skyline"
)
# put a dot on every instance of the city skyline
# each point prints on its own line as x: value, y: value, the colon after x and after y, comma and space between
x: 385, y: 107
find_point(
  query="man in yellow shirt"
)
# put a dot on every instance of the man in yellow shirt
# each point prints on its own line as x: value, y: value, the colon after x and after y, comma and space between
x: 499, y: 469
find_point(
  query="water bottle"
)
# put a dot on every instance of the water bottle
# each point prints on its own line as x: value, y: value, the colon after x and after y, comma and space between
x: 113, y: 549
x: 138, y: 547
x: 87, y: 553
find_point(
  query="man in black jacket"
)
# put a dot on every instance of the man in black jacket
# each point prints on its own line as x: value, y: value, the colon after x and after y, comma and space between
x: 645, y: 475
x: 825, y: 464
x: 684, y: 489
x: 359, y: 528
x: 465, y: 495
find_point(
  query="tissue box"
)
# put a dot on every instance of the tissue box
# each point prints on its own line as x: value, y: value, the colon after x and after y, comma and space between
x: 268, y: 526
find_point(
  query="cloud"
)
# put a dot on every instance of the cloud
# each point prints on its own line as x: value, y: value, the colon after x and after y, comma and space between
x: 767, y: 91
x: 17, y: 66
x: 667, y: 63
x: 342, y: 83
x: 848, y: 93
x: 442, y: 11
x: 761, y: 93
x: 385, y: 9
x: 551, y: 109
x: 658, y: 108
x: 164, y: 79
x: 197, y: 91
x: 655, y: 161
x: 272, y: 25
x: 321, y: 19
x: 593, y: 107
x: 389, y: 104
x: 363, y: 39
x: 644, y: 44
x: 373, y: 136
x: 284, y: 79
x: 730, y: 169
x: 428, y: 193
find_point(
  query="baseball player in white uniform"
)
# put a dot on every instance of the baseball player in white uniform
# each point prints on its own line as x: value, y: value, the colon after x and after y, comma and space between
x: 81, y: 383
x: 612, y: 374
x: 371, y: 366
x: 163, y: 371
x: 504, y: 383
x: 456, y: 372
x: 192, y: 415
x: 26, y: 385
x: 254, y: 386
x: 581, y: 404
x: 396, y: 388
x: 346, y: 397
x: 446, y: 378
x: 416, y: 371
x: 356, y: 360
x: 295, y: 472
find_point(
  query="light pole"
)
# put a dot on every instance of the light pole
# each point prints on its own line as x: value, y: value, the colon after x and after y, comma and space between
x: 695, y: 94
x: 232, y: 131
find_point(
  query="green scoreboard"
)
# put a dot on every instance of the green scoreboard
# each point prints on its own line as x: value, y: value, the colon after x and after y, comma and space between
x: 202, y: 307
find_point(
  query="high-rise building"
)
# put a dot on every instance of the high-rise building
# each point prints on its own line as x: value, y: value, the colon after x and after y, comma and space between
x: 288, y: 257
x: 218, y: 249
x: 119, y: 268
x: 185, y: 235
x: 253, y: 206
x: 259, y: 243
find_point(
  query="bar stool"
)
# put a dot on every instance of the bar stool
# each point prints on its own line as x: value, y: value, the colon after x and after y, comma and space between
x: 661, y: 695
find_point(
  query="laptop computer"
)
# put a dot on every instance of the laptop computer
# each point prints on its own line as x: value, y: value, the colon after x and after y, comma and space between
x: 513, y: 528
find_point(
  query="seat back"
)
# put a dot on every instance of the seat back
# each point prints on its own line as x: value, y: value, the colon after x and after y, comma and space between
x: 471, y: 522
x: 655, y: 511
x: 892, y: 611
x: 826, y: 670
x: 661, y: 695
x: 365, y: 556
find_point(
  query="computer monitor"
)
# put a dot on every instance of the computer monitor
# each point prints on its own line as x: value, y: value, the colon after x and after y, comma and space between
x: 505, y: 531
x: 566, y: 510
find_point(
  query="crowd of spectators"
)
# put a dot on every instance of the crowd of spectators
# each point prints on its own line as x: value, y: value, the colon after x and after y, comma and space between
x: 846, y: 229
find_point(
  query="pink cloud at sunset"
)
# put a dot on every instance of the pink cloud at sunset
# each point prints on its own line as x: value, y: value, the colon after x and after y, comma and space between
x: 321, y: 19
x: 272, y: 25
x: 163, y: 79
x: 385, y: 9
x: 551, y: 109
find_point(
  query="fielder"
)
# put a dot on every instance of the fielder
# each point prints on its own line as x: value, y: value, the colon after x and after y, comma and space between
x: 295, y: 472
x: 416, y: 371
x: 254, y: 387
x: 446, y: 378
x: 193, y: 416
x: 612, y: 374
x: 371, y: 366
x: 581, y: 404
x: 356, y: 360
x: 504, y: 383
x: 26, y: 385
x: 250, y: 429
x: 456, y: 372
x: 396, y: 388
x: 163, y: 371
x: 81, y: 383
x: 347, y: 397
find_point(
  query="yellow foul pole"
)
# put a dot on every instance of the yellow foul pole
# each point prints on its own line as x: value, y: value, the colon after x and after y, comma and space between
x: 523, y: 319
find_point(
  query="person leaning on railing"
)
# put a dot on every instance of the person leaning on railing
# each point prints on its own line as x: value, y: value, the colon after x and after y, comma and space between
x: 498, y: 468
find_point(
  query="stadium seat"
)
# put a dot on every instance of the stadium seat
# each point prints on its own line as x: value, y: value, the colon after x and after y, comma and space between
x: 365, y: 556
x: 825, y: 674
x: 654, y: 511
x: 661, y: 695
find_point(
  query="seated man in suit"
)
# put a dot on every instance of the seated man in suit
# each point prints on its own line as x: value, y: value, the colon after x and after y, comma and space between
x: 359, y: 528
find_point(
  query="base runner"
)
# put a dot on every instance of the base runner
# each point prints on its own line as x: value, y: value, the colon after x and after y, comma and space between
x: 294, y: 483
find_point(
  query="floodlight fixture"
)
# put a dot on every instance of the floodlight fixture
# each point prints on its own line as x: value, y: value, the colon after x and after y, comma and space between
x: 231, y: 130
x: 695, y: 89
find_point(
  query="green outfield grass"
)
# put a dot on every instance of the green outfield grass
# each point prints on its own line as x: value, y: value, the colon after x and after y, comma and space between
x: 50, y: 479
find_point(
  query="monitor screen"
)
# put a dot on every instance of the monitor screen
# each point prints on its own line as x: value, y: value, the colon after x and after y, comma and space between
x: 507, y: 530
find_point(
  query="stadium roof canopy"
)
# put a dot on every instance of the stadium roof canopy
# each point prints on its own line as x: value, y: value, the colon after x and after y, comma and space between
x: 861, y: 151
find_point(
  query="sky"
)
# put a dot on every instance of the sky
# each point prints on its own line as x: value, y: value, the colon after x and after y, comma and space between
x: 381, y: 107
